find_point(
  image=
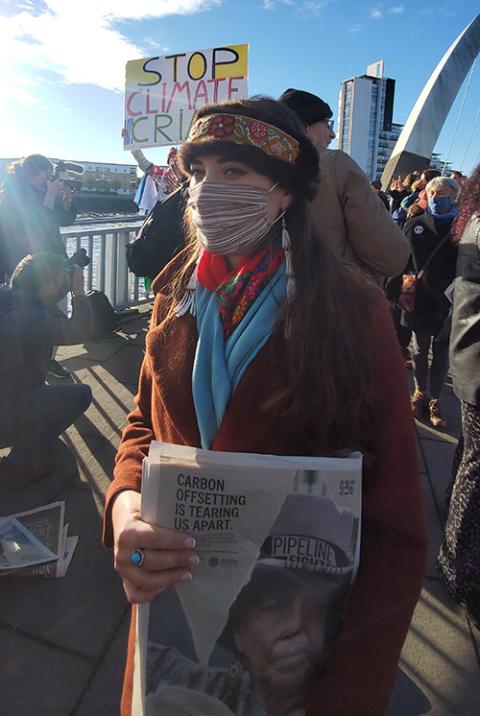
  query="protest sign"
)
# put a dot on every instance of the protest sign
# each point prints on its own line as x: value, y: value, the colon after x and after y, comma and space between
x: 278, y: 539
x: 162, y: 93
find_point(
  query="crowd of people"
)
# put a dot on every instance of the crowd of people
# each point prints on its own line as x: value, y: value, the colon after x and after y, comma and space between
x: 277, y: 268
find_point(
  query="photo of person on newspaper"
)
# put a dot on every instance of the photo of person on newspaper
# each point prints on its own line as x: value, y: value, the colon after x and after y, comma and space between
x: 282, y: 625
x: 261, y: 341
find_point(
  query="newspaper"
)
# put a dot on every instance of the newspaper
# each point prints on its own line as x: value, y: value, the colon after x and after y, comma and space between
x: 279, y: 541
x: 46, y: 526
x: 19, y: 547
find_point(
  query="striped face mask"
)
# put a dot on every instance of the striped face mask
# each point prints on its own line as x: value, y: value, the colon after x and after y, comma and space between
x: 230, y: 219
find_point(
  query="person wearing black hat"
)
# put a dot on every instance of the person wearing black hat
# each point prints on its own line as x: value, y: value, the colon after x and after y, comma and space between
x: 315, y: 114
x: 349, y: 215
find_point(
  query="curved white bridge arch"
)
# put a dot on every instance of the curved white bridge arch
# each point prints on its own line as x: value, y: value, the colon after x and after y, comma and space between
x: 415, y: 144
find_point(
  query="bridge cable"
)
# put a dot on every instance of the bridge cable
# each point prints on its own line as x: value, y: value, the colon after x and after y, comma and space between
x: 470, y: 139
x: 467, y: 88
x: 477, y: 160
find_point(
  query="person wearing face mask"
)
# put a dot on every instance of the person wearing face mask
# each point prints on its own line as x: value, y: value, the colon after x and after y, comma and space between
x: 34, y: 414
x: 345, y: 209
x: 434, y: 256
x: 262, y: 341
x: 33, y: 206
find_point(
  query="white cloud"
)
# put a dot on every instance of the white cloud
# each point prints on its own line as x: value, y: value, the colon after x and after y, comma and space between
x: 376, y: 13
x: 356, y: 28
x: 270, y: 4
x: 154, y: 43
x: 310, y: 7
x: 305, y: 8
x: 396, y: 9
x: 77, y: 40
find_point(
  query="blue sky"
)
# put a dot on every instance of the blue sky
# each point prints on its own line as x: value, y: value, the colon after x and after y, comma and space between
x: 63, y: 60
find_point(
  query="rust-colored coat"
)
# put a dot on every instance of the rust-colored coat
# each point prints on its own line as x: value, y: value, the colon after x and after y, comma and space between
x: 360, y: 675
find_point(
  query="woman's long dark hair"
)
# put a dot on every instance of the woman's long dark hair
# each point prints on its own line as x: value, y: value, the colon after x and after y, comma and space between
x: 469, y: 203
x: 330, y: 385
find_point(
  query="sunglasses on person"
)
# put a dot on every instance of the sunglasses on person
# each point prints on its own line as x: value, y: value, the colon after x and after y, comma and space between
x: 330, y: 123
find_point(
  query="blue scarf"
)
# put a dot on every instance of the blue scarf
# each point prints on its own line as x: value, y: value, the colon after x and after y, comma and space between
x: 219, y: 365
x: 443, y: 217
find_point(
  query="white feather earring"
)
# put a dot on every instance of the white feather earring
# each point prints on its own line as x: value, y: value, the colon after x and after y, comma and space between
x: 187, y: 303
x: 288, y: 260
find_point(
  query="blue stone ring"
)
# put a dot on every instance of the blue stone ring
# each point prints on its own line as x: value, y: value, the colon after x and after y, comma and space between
x: 137, y: 557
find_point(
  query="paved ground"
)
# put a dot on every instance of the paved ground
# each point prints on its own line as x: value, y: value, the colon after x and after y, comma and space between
x: 62, y: 642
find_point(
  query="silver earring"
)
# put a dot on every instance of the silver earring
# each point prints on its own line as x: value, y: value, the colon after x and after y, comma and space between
x: 288, y: 260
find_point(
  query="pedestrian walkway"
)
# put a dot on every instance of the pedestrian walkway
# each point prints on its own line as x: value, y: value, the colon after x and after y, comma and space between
x: 62, y: 642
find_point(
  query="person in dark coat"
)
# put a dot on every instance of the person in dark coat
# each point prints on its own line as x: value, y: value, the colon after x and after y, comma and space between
x: 161, y: 235
x: 377, y: 188
x: 33, y: 414
x: 33, y: 206
x: 459, y: 557
x: 432, y: 267
x: 399, y: 189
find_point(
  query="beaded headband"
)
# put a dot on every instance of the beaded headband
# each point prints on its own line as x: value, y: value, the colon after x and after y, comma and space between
x: 246, y: 130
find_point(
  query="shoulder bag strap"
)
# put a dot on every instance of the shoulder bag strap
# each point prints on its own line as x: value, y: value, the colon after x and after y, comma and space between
x: 430, y: 258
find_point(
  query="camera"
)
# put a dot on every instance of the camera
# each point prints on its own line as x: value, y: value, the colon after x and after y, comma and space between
x: 61, y: 172
x: 79, y: 258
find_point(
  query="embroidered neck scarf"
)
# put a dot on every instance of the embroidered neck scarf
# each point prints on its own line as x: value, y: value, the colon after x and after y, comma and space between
x: 236, y: 312
x: 237, y: 289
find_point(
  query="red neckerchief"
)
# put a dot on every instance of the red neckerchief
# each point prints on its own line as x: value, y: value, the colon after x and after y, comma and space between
x: 237, y: 289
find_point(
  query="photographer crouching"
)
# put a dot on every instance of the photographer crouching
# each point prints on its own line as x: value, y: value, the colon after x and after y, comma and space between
x: 33, y: 414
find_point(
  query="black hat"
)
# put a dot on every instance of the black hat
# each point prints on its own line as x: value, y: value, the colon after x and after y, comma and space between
x: 307, y: 106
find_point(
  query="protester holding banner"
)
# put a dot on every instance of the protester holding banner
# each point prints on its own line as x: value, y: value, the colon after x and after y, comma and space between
x: 157, y: 181
x: 261, y: 341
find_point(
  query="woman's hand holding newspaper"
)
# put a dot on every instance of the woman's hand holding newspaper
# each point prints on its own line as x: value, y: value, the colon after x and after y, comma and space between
x: 168, y: 554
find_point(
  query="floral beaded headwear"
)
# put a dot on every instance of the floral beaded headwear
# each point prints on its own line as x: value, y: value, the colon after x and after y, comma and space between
x: 246, y: 130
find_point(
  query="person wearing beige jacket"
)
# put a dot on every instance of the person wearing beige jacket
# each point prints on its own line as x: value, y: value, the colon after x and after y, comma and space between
x: 348, y: 213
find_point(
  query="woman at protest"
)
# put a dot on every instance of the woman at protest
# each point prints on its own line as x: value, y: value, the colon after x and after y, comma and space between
x: 33, y: 206
x: 434, y: 254
x: 459, y: 558
x: 313, y: 369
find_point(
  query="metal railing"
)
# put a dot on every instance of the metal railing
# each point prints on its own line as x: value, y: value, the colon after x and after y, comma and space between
x: 108, y: 270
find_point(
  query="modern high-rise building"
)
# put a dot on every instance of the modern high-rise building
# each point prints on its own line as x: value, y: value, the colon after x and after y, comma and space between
x: 366, y: 130
x: 365, y: 112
